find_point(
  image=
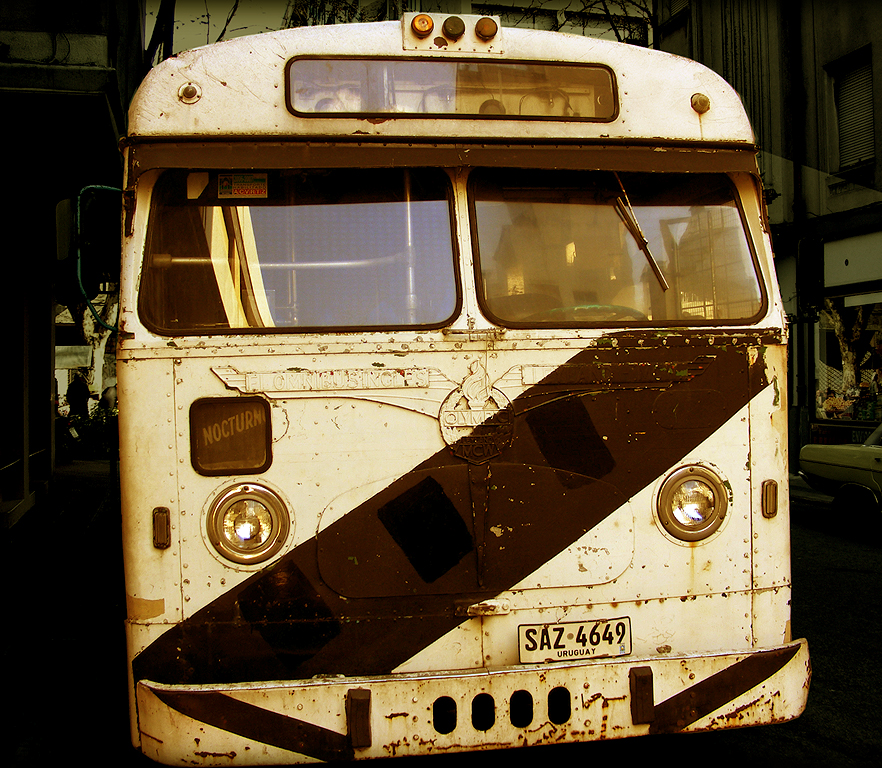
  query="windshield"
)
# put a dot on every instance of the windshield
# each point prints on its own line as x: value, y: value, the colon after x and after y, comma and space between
x: 570, y: 248
x: 299, y: 249
x: 374, y: 249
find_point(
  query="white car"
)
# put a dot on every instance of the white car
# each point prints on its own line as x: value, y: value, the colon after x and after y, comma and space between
x: 850, y: 473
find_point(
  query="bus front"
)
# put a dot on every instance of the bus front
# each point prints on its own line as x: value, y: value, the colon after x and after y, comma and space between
x: 451, y: 377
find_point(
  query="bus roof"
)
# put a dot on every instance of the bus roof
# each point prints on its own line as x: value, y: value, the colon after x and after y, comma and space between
x: 237, y: 89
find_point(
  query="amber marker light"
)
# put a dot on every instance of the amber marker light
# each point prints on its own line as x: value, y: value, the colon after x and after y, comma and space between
x: 486, y: 28
x: 422, y: 25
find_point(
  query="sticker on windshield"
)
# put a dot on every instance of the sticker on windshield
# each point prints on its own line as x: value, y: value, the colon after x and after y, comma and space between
x: 249, y: 185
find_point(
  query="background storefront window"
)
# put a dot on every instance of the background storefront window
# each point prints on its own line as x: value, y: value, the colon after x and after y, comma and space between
x: 848, y: 366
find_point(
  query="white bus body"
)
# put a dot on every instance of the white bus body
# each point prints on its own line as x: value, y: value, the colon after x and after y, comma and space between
x: 452, y: 399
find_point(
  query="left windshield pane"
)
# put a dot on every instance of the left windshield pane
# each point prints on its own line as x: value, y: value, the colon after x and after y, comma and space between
x: 293, y: 250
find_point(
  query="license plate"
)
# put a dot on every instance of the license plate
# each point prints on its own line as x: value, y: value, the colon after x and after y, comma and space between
x: 593, y: 639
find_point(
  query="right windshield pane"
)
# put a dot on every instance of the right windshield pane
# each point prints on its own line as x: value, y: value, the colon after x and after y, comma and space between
x: 564, y: 248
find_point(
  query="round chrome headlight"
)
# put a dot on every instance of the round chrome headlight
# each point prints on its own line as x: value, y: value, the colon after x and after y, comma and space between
x: 692, y: 503
x: 248, y: 523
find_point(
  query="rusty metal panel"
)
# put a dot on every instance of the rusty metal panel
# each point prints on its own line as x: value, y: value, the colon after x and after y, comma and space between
x: 149, y: 571
x: 145, y: 155
x: 290, y: 722
x: 177, y: 98
x: 442, y: 496
x: 769, y: 460
x: 341, y: 546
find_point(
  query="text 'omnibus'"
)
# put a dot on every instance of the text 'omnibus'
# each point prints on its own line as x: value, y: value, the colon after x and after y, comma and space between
x: 452, y: 375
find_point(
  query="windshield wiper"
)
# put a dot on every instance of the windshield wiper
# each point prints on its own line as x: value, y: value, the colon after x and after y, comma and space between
x: 629, y: 218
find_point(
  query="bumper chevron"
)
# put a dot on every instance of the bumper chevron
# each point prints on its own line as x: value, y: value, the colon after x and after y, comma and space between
x: 268, y: 722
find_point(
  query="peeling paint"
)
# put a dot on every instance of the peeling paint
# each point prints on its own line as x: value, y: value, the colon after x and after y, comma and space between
x: 141, y: 609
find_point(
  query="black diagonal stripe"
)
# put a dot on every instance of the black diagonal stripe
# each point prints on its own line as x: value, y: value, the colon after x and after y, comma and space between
x: 693, y: 703
x: 258, y: 724
x: 351, y: 602
x: 568, y: 416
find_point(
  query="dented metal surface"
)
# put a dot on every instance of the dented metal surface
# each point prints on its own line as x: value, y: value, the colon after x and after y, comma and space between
x: 448, y: 491
x: 565, y: 703
x: 162, y: 107
x: 355, y: 580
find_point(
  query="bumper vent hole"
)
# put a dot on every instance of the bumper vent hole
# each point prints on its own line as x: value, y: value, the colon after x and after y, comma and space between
x: 559, y: 706
x: 483, y: 712
x: 521, y: 709
x: 444, y: 714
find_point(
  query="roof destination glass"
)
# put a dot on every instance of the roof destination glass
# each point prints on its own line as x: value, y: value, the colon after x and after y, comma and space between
x: 511, y: 90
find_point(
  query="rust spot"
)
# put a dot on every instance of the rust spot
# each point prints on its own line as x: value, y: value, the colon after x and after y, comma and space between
x: 738, y: 714
x: 700, y: 699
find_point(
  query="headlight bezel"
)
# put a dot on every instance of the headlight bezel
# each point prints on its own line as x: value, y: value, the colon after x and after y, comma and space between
x: 219, y: 522
x: 669, y: 508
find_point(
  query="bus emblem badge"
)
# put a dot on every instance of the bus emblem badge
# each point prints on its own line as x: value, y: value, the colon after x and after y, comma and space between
x: 476, y: 419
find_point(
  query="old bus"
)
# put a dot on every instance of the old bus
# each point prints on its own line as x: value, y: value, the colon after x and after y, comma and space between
x: 452, y: 398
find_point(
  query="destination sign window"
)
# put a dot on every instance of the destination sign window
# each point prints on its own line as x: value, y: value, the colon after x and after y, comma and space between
x: 230, y: 435
x: 443, y: 88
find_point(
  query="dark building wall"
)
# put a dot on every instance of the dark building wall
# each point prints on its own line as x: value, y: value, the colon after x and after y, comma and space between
x: 67, y: 72
x: 786, y: 60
